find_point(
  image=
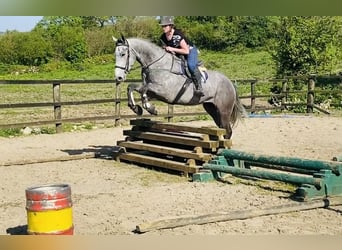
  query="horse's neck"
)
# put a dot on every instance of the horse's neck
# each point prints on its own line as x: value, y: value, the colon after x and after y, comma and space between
x: 149, y: 53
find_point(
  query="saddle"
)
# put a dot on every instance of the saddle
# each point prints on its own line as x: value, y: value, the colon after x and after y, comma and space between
x: 200, y: 66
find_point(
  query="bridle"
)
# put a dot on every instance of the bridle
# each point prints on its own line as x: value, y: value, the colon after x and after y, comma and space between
x: 143, y: 65
x: 126, y: 68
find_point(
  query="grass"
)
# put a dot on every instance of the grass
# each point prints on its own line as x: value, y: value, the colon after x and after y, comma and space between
x: 245, y: 66
x: 10, y: 132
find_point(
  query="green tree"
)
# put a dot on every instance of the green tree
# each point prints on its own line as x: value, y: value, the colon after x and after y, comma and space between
x: 307, y: 44
x: 255, y: 31
x: 8, y: 53
x: 70, y: 43
x: 136, y: 26
x: 215, y: 33
x: 66, y: 35
x: 99, y: 41
x: 221, y: 33
x: 52, y: 23
x: 90, y: 22
x: 29, y: 48
x: 33, y: 49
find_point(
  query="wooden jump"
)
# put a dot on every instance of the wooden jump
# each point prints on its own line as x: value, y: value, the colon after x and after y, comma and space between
x: 170, y: 146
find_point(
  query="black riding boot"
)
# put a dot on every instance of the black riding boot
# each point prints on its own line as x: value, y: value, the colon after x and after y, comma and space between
x: 197, y: 79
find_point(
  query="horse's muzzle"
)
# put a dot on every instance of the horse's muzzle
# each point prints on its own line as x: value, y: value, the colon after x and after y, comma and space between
x: 119, y: 79
x: 119, y: 75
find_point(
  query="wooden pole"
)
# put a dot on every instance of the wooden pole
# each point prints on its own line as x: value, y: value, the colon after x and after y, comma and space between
x: 236, y: 215
x: 170, y: 109
x: 253, y: 97
x: 311, y: 95
x: 57, y: 106
x: 117, y: 104
x: 51, y: 159
x: 284, y: 93
x: 322, y: 110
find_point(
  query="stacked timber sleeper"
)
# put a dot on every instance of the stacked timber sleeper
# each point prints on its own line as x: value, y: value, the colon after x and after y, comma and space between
x: 170, y: 146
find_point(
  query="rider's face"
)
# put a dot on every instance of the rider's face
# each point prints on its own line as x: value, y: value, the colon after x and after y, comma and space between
x: 166, y: 28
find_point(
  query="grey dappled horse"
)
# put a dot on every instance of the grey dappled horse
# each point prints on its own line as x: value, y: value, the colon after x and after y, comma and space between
x: 164, y: 79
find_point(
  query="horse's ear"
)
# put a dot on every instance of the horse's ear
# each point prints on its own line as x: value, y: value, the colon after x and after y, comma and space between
x: 117, y: 41
x: 120, y: 41
x: 123, y: 39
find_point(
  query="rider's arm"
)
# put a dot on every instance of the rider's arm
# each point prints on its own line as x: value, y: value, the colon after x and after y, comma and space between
x: 184, y: 48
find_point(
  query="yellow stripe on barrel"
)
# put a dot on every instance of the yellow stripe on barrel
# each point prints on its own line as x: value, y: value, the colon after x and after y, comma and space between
x: 49, y: 221
x: 49, y: 210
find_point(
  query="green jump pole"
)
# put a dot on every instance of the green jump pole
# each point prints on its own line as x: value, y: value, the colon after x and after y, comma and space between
x: 334, y: 166
x: 285, y: 177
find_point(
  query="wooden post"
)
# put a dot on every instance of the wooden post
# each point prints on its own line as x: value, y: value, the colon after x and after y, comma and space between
x: 170, y: 108
x: 311, y: 94
x: 117, y: 104
x: 284, y: 94
x: 57, y: 106
x: 253, y: 96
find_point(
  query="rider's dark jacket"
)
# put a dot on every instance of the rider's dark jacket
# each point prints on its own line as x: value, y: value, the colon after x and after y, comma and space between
x: 175, y: 40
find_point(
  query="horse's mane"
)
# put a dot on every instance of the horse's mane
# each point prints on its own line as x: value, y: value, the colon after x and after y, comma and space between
x: 137, y: 40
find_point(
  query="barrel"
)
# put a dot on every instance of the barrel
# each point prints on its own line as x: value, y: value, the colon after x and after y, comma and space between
x: 49, y: 210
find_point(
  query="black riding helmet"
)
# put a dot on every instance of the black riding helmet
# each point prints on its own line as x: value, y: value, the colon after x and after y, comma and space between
x: 166, y: 20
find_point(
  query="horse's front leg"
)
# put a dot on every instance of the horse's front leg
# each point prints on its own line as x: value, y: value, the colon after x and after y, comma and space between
x: 131, y: 103
x: 145, y: 102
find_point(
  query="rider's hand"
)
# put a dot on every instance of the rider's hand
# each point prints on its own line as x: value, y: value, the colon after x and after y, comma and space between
x: 169, y: 49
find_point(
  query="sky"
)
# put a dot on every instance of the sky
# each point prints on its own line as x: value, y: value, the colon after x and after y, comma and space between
x: 19, y: 23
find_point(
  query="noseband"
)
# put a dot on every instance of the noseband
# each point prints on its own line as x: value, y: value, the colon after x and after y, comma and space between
x: 126, y: 68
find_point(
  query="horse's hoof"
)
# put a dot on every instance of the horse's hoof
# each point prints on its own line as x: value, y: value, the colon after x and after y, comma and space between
x: 152, y: 111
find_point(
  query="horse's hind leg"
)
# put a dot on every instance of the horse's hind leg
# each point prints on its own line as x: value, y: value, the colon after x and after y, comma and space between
x: 220, y: 117
x: 229, y: 131
x: 225, y: 122
x: 211, y: 109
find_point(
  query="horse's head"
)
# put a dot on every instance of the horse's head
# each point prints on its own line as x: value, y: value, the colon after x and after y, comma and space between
x: 124, y: 59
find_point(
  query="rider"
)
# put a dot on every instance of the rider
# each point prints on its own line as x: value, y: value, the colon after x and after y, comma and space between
x: 174, y: 41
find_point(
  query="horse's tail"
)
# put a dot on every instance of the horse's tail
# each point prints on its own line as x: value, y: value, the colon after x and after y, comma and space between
x: 239, y: 110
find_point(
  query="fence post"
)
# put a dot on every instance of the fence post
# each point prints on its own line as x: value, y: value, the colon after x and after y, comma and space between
x: 170, y: 108
x: 57, y: 106
x: 311, y: 94
x: 117, y: 104
x: 284, y: 93
x: 253, y: 96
